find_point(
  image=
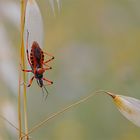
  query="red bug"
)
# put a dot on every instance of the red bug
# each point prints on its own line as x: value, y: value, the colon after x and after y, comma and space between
x: 38, y: 64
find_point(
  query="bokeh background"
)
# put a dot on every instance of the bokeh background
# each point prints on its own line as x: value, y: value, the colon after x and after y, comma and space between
x: 96, y: 46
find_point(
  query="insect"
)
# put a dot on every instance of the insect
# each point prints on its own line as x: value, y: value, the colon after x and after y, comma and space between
x: 38, y: 64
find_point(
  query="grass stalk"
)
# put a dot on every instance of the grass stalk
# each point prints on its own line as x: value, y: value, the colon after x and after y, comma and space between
x: 19, y: 105
x: 64, y: 110
x: 11, y: 124
x: 23, y: 5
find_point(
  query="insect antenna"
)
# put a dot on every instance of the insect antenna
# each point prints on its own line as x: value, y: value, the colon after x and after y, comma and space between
x: 45, y: 91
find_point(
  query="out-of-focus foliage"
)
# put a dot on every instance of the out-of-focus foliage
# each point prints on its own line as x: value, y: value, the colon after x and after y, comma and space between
x: 96, y: 46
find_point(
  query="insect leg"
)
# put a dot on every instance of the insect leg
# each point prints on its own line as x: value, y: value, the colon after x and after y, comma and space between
x: 52, y: 57
x: 49, y: 82
x: 49, y: 68
x: 27, y: 52
x: 25, y: 70
x: 48, y: 60
x: 30, y: 82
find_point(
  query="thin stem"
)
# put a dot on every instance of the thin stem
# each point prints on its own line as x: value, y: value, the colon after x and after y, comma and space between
x: 64, y: 110
x: 23, y: 3
x: 11, y: 124
x: 19, y: 105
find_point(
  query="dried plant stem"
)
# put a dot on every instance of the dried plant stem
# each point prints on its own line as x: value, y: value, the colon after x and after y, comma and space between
x: 23, y: 3
x: 64, y: 110
x: 57, y: 113
x: 19, y: 105
x: 11, y: 124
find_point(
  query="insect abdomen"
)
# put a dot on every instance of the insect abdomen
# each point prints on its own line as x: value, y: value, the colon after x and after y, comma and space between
x: 36, y: 55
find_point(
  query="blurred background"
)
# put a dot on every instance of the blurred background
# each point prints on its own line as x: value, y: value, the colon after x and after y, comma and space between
x: 96, y: 46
